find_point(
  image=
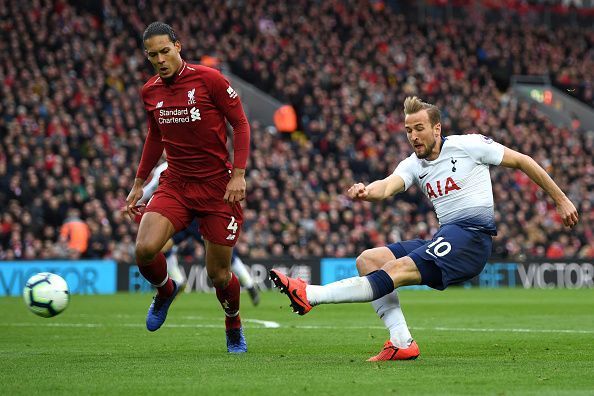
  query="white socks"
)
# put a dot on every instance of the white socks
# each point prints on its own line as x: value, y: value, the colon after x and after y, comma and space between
x: 173, y: 268
x: 388, y: 309
x: 356, y: 289
x: 242, y: 273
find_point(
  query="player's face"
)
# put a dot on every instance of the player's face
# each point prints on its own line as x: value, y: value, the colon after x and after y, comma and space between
x: 422, y: 136
x: 163, y: 54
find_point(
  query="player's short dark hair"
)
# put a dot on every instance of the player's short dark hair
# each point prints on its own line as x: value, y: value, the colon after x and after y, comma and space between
x: 159, y: 29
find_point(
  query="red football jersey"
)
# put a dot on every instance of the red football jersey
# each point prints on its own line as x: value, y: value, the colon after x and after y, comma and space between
x: 187, y: 118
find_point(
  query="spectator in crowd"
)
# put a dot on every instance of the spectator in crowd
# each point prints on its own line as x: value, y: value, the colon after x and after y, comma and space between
x: 74, y: 234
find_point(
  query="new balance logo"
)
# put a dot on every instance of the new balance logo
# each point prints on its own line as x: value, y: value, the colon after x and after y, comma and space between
x: 160, y: 104
x: 231, y: 237
x: 191, y: 99
x: 195, y: 113
x: 232, y: 93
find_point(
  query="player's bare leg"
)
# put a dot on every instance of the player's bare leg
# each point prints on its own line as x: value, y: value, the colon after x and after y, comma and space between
x: 168, y: 245
x: 218, y: 267
x: 403, y: 271
x: 153, y: 232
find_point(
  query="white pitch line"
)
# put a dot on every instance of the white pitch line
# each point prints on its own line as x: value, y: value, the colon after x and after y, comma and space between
x: 460, y: 329
x: 275, y: 325
x: 266, y: 323
x: 471, y: 329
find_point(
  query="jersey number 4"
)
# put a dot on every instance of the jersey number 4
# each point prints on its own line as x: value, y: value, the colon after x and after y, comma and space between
x: 437, y: 248
x: 232, y: 225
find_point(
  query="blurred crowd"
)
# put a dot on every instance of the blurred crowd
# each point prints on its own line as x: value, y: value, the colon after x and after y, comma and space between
x: 72, y: 124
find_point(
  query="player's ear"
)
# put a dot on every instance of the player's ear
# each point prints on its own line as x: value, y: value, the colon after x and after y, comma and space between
x: 437, y: 129
x: 177, y: 45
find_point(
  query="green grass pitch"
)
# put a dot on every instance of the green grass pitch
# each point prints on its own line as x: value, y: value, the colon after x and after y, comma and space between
x: 473, y: 341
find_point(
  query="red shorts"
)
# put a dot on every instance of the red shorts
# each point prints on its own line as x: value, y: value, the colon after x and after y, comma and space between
x: 181, y: 201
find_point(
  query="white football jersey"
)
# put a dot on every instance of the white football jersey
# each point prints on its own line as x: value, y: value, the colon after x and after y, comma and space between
x: 458, y: 182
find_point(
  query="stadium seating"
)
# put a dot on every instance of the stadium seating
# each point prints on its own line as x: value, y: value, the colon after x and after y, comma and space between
x: 72, y: 123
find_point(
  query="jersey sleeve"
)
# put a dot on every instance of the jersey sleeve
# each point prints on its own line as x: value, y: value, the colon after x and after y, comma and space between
x: 227, y: 101
x: 153, y: 148
x: 407, y: 170
x: 483, y: 149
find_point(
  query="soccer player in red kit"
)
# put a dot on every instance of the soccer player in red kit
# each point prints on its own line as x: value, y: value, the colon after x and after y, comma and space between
x: 187, y: 106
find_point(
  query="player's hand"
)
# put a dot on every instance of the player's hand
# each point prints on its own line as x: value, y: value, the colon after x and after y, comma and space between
x: 358, y: 191
x: 568, y: 212
x: 235, y: 191
x: 135, y: 194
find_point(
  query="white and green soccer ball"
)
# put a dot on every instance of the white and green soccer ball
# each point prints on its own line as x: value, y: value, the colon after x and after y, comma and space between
x: 46, y: 294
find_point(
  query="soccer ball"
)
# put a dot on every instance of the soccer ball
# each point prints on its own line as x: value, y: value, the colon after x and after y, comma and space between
x: 46, y: 294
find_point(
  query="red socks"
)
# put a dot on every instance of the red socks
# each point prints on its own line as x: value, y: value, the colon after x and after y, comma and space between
x: 229, y: 299
x: 156, y: 273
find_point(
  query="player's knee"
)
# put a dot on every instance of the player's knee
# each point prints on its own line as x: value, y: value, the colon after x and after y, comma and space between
x: 365, y: 263
x: 219, y: 278
x: 361, y: 264
x: 396, y: 266
x: 403, y: 271
x: 145, y: 251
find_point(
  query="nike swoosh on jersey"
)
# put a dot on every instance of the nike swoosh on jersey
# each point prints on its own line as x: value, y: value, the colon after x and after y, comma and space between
x: 421, y: 177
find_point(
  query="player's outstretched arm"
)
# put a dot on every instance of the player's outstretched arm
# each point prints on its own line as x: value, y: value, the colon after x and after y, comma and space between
x: 565, y: 208
x: 378, y: 190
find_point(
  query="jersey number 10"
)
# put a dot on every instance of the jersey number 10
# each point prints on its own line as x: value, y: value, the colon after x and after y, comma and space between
x: 439, y: 248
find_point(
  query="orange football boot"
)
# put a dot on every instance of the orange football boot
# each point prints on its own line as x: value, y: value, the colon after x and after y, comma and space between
x: 390, y: 352
x: 294, y: 288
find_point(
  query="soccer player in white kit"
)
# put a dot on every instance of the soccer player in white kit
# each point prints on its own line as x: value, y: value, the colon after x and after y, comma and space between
x: 173, y: 268
x: 453, y: 173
